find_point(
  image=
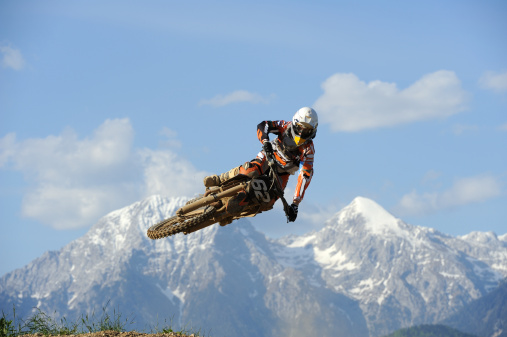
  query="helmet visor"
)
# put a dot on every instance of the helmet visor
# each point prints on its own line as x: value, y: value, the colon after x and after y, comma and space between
x: 302, y: 131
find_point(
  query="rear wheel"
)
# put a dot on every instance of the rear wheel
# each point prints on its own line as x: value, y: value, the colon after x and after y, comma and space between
x: 176, y: 224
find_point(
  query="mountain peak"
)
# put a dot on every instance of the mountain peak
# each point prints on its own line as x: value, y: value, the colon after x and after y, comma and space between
x: 376, y: 219
x: 481, y: 237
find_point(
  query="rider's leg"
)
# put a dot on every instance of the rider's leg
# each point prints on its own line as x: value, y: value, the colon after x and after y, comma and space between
x: 216, y: 180
x: 251, y: 169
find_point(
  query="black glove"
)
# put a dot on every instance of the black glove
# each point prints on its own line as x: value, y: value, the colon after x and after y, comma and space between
x: 293, y: 212
x: 268, y: 148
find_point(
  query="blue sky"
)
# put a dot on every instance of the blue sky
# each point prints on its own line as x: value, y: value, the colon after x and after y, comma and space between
x: 105, y: 103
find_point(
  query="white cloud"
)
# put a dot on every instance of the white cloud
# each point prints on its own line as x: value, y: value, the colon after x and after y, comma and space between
x: 171, y: 138
x: 349, y: 104
x: 44, y: 159
x: 74, y: 206
x: 235, y: 97
x: 317, y: 214
x: 7, y: 148
x: 12, y: 58
x: 431, y: 176
x: 167, y: 174
x: 502, y: 127
x: 72, y: 181
x: 464, y: 191
x: 495, y: 81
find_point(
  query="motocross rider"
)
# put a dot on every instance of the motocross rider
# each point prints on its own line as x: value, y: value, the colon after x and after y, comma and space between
x: 292, y: 149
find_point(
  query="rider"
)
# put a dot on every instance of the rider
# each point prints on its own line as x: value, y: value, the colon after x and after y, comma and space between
x: 292, y: 149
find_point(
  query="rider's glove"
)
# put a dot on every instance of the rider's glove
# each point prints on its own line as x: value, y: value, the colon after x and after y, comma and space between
x: 293, y: 212
x: 268, y: 148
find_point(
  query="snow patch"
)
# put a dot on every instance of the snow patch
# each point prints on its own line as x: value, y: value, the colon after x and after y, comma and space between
x: 447, y: 275
x: 302, y: 241
x: 377, y: 219
x: 330, y: 258
x: 70, y: 303
x: 501, y: 267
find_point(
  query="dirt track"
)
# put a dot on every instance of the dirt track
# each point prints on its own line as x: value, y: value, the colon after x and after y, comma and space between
x: 120, y: 334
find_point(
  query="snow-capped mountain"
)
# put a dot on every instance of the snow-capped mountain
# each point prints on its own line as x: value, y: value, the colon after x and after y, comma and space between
x: 365, y: 273
x: 400, y: 274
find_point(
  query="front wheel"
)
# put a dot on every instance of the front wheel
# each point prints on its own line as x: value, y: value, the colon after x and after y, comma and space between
x: 175, y: 224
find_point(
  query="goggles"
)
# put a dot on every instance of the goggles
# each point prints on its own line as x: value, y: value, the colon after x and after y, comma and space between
x: 302, y: 131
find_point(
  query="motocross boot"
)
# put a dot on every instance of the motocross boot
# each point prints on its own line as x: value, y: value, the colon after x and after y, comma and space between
x: 211, y: 181
x: 215, y: 180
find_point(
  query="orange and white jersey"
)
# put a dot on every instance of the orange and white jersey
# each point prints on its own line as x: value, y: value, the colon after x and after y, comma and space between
x: 289, y: 157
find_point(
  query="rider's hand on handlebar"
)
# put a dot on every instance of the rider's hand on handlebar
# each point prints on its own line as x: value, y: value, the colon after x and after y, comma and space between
x: 293, y: 212
x: 268, y: 148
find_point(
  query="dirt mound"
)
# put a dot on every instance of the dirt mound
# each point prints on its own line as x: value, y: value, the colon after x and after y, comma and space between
x: 120, y: 334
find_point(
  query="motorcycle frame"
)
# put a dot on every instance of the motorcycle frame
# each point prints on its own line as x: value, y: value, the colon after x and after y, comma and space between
x: 225, y: 192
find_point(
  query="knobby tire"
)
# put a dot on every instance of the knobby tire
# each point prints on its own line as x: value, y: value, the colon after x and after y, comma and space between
x: 175, y: 225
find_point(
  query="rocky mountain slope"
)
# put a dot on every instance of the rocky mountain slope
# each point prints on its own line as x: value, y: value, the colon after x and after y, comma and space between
x: 365, y: 273
x: 486, y: 316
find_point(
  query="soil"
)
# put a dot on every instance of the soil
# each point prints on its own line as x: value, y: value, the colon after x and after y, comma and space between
x: 120, y: 334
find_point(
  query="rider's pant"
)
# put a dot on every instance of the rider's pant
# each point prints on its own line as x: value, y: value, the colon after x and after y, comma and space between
x: 253, y: 169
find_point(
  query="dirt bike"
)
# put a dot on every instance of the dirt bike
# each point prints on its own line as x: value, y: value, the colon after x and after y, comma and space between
x: 237, y: 197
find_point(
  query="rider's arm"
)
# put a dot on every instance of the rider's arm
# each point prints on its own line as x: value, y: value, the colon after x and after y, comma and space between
x: 265, y: 127
x: 305, y: 173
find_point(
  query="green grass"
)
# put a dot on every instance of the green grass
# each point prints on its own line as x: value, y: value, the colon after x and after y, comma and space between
x: 429, y: 330
x: 47, y: 325
x: 167, y: 328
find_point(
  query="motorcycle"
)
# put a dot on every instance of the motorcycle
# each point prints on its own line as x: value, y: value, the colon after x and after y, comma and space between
x: 236, y: 198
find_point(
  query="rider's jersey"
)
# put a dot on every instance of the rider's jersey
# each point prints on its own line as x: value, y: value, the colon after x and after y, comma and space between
x: 289, y: 157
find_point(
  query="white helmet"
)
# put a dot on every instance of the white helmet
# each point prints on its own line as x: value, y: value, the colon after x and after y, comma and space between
x: 304, y: 125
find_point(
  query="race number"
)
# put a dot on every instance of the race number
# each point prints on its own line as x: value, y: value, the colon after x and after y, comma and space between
x: 260, y: 190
